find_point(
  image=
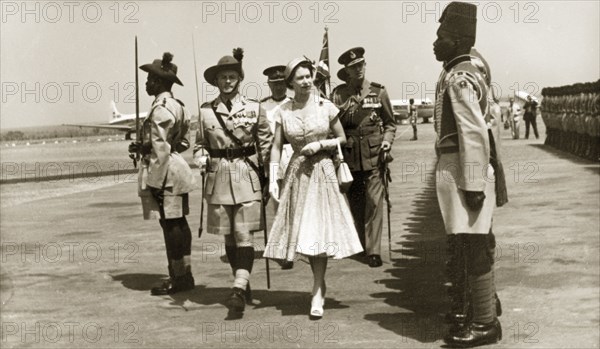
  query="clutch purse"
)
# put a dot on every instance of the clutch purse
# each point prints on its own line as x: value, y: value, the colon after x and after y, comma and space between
x: 344, y: 176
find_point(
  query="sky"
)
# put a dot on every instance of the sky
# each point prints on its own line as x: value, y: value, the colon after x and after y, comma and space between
x: 63, y: 62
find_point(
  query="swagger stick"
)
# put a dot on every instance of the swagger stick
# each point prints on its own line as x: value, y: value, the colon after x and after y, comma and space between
x: 264, y: 219
x: 387, y: 178
x: 263, y: 202
x: 201, y: 133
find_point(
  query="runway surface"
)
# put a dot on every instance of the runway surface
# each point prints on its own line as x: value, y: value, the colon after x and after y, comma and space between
x: 78, y: 262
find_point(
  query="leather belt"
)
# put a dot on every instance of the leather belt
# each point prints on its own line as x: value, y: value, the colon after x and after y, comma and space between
x: 448, y: 150
x: 363, y: 131
x: 231, y: 153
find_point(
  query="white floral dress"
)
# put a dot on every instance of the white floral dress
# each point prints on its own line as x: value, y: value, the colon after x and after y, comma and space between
x: 313, y: 217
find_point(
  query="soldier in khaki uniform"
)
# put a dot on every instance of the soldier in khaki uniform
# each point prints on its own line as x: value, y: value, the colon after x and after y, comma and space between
x: 465, y: 179
x: 276, y: 80
x: 233, y: 186
x: 165, y: 178
x: 367, y: 118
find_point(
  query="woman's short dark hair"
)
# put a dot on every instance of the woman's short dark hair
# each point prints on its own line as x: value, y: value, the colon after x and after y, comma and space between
x: 305, y: 64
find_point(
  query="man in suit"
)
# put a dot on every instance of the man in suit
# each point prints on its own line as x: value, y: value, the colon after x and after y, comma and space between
x: 165, y: 179
x: 233, y: 186
x: 367, y: 118
x: 465, y: 179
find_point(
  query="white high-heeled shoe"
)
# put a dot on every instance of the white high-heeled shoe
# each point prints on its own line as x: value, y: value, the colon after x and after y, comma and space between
x: 316, y: 307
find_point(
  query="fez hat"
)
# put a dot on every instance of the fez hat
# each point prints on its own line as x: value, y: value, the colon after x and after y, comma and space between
x: 352, y: 56
x: 289, y: 68
x: 459, y: 18
x: 226, y: 63
x: 163, y: 68
x: 342, y: 74
x: 275, y: 73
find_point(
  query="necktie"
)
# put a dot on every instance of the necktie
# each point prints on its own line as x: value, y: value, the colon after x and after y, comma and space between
x: 228, y: 104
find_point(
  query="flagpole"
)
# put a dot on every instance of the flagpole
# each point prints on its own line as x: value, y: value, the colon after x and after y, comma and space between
x: 328, y: 80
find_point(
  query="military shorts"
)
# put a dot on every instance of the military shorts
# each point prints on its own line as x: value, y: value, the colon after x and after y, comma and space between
x: 225, y: 219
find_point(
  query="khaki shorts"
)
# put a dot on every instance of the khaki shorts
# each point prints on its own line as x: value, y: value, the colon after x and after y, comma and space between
x: 224, y: 219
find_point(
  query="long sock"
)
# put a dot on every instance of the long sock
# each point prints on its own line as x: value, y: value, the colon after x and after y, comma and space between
x: 482, y: 297
x: 230, y: 252
x: 178, y: 267
x: 245, y: 261
x: 187, y: 263
x: 241, y: 278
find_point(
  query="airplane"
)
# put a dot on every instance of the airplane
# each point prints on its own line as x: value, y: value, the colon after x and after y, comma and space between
x: 119, y: 122
x: 400, y: 109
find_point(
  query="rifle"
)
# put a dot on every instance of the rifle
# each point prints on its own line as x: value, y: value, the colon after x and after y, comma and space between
x: 201, y: 132
x: 384, y: 158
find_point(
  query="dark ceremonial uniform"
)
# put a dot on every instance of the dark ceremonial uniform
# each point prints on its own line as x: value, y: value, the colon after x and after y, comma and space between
x: 367, y: 118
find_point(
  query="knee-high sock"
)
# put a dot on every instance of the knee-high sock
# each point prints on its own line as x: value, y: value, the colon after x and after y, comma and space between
x: 245, y: 262
x: 482, y: 298
x: 230, y: 252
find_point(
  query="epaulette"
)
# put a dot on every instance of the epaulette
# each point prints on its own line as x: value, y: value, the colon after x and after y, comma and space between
x: 265, y: 99
x: 338, y: 87
x: 206, y: 105
x: 180, y: 102
x: 377, y: 85
x: 248, y: 99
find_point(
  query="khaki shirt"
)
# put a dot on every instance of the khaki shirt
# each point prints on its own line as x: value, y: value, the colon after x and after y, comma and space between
x: 165, y: 133
x: 230, y: 181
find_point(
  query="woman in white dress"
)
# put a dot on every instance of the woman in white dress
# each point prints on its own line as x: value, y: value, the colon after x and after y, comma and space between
x: 313, y: 217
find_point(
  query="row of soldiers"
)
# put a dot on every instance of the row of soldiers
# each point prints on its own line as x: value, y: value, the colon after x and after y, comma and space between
x: 571, y: 114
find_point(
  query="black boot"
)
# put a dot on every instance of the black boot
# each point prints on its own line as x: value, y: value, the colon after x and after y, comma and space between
x: 236, y: 302
x: 475, y: 335
x: 177, y: 284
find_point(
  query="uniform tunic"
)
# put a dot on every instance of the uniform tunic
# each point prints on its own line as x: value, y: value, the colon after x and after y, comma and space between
x: 165, y: 133
x: 463, y: 147
x: 367, y: 120
x: 232, y: 189
x: 267, y: 110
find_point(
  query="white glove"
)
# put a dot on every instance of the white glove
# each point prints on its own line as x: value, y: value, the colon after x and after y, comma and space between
x: 273, y: 177
x: 311, y: 148
x: 202, y: 162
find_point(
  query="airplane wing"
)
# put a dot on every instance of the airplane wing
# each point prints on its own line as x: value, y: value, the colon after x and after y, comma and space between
x: 123, y: 128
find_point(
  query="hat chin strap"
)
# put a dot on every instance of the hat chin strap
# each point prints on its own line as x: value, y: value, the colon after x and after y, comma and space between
x: 234, y: 92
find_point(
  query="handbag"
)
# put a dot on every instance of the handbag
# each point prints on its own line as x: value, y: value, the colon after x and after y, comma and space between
x: 344, y: 176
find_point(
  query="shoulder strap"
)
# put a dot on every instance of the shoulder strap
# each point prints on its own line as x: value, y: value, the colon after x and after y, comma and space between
x: 225, y: 129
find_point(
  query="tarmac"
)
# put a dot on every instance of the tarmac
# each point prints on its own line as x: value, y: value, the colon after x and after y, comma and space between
x: 77, y: 268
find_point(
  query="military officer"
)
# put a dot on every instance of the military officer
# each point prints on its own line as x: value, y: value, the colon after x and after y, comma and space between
x: 165, y: 179
x: 276, y: 80
x: 465, y: 179
x: 233, y: 185
x: 367, y: 118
